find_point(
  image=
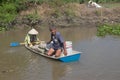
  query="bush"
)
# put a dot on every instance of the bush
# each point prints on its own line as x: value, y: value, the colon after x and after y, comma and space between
x: 108, y: 30
x: 7, y: 14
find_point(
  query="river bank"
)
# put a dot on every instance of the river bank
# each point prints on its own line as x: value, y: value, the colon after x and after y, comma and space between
x: 71, y: 14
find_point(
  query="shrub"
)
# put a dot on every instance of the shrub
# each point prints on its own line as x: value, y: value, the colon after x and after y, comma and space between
x: 108, y: 30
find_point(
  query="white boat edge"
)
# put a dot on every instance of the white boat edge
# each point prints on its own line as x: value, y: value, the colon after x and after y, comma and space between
x: 61, y: 58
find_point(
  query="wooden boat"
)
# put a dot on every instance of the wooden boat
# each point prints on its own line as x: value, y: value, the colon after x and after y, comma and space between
x: 73, y: 56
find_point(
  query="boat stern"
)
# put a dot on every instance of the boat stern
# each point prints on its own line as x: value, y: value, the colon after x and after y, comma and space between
x: 70, y: 58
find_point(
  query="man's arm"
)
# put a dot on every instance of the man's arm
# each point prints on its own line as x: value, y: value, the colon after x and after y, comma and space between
x: 50, y: 40
x: 63, y: 43
x: 64, y: 47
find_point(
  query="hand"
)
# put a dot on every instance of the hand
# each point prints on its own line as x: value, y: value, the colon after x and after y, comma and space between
x: 30, y: 45
x: 65, y: 52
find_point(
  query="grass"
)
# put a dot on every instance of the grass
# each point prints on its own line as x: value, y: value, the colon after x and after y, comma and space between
x: 110, y: 5
x: 106, y: 29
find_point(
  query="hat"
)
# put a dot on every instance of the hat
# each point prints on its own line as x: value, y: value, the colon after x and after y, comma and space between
x: 33, y: 32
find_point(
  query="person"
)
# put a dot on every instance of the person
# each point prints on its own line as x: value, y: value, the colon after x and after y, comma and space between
x: 31, y: 37
x: 93, y: 4
x: 57, y: 44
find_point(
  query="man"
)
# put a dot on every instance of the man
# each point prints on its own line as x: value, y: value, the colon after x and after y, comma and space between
x: 31, y: 37
x: 57, y: 43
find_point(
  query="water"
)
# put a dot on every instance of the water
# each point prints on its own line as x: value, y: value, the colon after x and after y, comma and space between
x: 100, y: 59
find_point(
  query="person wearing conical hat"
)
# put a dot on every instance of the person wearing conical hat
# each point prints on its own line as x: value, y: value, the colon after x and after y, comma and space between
x: 31, y: 37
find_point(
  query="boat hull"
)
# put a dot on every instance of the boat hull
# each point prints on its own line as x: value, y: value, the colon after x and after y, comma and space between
x: 70, y: 58
x: 75, y: 56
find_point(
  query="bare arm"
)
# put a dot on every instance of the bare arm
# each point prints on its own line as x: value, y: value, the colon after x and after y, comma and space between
x: 49, y: 40
x: 64, y: 47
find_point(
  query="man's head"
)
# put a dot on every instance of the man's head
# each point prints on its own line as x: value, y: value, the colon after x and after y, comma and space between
x: 52, y: 29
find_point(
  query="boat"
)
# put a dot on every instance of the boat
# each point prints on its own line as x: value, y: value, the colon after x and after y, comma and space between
x: 73, y: 56
x: 40, y: 49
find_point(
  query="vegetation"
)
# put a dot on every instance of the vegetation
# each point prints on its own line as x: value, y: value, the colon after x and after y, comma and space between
x: 105, y: 1
x: 108, y: 30
x: 9, y: 9
x: 8, y: 12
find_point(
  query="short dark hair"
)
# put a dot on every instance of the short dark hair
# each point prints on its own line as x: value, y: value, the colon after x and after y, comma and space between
x: 52, y: 27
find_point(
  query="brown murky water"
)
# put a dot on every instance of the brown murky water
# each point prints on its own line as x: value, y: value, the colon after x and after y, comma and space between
x: 100, y: 59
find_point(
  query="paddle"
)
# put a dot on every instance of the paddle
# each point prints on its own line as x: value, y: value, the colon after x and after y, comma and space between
x: 13, y: 44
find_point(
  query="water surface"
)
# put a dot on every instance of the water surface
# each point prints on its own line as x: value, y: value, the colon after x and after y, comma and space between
x: 100, y: 59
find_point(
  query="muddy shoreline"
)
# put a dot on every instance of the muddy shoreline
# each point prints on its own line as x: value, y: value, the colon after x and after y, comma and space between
x: 82, y: 16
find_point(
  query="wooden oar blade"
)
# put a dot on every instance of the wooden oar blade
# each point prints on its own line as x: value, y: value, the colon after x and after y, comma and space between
x: 13, y: 44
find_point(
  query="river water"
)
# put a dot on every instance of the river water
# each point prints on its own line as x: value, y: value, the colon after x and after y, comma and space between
x: 100, y: 59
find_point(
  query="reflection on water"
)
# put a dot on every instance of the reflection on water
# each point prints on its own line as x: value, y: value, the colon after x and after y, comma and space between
x: 99, y: 61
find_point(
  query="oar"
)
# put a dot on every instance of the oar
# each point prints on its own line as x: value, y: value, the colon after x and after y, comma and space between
x: 13, y: 44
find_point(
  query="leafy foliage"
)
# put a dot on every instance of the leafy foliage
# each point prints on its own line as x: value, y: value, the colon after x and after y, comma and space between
x: 105, y: 1
x: 10, y: 8
x: 8, y: 13
x: 108, y: 30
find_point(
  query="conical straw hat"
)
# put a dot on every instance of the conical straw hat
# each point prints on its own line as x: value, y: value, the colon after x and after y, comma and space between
x: 33, y: 32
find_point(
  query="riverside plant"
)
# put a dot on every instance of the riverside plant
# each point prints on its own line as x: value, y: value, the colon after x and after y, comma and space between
x: 108, y: 30
x: 9, y: 9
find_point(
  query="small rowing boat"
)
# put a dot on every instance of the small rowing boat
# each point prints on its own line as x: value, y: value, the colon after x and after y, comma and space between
x: 73, y: 56
x: 42, y: 49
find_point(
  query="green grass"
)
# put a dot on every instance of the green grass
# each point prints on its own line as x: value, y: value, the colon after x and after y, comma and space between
x: 106, y: 29
x: 110, y: 5
x: 9, y: 9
